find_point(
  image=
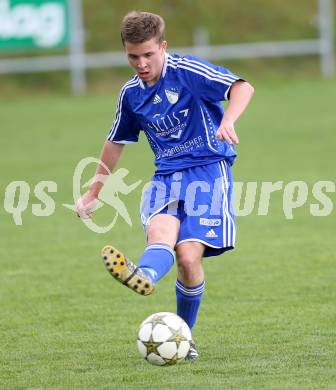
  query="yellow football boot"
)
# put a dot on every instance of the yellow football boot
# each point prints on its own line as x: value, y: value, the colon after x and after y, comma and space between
x: 126, y: 272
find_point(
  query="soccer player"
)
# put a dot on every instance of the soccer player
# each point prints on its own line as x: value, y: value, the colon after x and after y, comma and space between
x: 187, y: 211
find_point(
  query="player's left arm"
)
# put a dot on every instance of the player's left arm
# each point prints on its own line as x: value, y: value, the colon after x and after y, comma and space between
x: 240, y: 95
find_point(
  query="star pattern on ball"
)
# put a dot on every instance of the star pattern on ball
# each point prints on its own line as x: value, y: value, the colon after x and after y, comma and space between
x: 152, y: 347
x: 172, y: 361
x: 157, y: 320
x: 163, y: 339
x: 176, y: 336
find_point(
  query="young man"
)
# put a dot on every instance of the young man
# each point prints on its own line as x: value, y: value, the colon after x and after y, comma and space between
x: 187, y: 210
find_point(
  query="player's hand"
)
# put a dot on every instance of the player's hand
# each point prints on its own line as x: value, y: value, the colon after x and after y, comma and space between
x: 86, y: 205
x: 226, y: 132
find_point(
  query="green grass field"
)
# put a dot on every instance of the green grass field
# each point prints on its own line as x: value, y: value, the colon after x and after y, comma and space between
x: 268, y: 317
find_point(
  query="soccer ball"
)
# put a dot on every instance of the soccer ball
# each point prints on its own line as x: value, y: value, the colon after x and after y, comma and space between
x: 164, y: 339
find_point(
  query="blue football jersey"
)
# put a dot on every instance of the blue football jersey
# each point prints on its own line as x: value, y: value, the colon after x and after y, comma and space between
x: 179, y: 114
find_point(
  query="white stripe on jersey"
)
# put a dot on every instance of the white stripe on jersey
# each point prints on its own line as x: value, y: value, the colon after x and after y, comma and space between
x: 131, y: 83
x: 205, y: 68
x: 228, y: 83
x: 214, y: 71
x: 198, y: 67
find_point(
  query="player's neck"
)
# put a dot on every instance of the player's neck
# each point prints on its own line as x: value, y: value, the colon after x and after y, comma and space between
x: 153, y: 82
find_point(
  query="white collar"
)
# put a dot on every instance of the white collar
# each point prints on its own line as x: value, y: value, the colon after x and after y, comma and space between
x: 164, y: 69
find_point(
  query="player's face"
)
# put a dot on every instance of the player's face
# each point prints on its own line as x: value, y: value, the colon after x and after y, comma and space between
x: 147, y: 58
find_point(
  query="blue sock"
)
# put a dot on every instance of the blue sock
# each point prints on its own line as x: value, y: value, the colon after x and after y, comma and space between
x: 188, y: 300
x: 157, y: 261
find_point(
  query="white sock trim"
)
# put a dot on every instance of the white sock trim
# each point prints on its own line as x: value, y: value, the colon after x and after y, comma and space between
x: 190, y: 291
x: 161, y: 246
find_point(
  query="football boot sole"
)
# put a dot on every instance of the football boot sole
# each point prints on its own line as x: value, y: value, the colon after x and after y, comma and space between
x: 125, y: 271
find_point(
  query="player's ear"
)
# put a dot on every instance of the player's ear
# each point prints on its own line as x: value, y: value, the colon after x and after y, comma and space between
x: 164, y: 45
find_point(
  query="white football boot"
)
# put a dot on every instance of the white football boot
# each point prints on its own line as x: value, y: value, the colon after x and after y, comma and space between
x: 192, y: 354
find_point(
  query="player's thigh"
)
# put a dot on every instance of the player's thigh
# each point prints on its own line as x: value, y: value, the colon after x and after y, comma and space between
x: 163, y: 228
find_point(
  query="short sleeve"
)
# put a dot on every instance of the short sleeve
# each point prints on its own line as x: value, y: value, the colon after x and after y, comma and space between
x: 125, y: 127
x: 208, y: 81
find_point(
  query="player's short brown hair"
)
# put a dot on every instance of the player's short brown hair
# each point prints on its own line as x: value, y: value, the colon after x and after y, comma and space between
x: 139, y: 27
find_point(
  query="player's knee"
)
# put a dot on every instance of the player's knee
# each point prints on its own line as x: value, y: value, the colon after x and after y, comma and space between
x: 187, y: 264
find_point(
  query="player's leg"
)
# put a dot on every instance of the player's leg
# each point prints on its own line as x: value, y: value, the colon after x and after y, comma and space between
x: 189, y: 262
x: 158, y: 257
x: 155, y: 262
x: 190, y: 280
x: 189, y: 285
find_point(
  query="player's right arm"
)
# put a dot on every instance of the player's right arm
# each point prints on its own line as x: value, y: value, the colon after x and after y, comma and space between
x: 109, y: 157
x: 124, y: 130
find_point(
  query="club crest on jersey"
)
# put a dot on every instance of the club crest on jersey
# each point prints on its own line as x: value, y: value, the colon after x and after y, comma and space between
x: 172, y: 95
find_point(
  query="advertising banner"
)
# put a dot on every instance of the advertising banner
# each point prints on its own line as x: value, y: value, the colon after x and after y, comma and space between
x: 33, y: 24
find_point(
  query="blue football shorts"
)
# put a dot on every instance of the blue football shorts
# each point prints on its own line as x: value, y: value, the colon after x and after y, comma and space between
x: 201, y: 198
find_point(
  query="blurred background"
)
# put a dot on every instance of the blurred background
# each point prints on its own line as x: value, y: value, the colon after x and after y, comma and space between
x: 92, y: 28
